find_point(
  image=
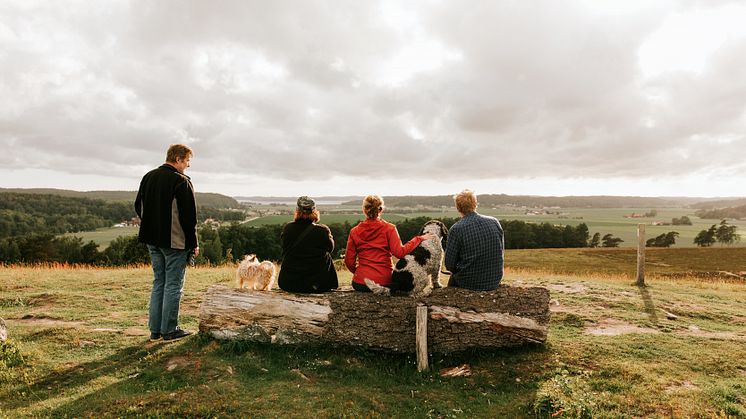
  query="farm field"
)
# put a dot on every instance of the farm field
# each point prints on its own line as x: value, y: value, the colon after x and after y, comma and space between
x: 103, y: 236
x: 78, y: 347
x: 602, y: 220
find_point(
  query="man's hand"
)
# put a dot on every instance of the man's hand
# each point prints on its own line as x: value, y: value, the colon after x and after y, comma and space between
x: 196, y: 251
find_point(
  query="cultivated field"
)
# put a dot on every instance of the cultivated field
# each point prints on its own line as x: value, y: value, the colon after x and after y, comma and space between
x: 78, y: 347
x: 601, y: 220
x: 104, y: 236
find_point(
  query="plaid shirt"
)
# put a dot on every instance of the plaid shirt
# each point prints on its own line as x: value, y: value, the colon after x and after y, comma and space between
x: 474, y: 253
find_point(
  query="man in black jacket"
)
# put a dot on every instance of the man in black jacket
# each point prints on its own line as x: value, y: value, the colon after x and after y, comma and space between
x: 168, y: 226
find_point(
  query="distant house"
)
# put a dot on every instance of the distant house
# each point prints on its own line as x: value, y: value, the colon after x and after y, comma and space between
x: 132, y: 222
x: 661, y: 223
x: 635, y: 215
x: 214, y: 224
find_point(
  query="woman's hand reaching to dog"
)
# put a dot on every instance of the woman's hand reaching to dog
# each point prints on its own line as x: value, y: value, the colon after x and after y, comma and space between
x: 428, y: 236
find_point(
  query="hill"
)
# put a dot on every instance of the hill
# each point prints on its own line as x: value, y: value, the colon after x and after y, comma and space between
x: 78, y: 344
x: 204, y: 199
x: 543, y: 201
x: 723, y: 203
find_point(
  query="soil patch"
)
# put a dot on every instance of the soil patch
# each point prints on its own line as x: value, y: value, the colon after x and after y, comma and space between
x: 46, y: 321
x: 136, y: 331
x: 697, y: 332
x: 613, y: 327
x: 681, y: 387
x: 568, y: 288
x: 177, y: 362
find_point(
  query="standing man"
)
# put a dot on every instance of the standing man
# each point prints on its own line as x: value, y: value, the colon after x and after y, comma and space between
x: 474, y: 253
x: 168, y: 213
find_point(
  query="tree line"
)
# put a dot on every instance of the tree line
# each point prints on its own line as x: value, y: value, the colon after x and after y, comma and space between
x: 229, y: 243
x: 23, y: 214
x: 737, y: 213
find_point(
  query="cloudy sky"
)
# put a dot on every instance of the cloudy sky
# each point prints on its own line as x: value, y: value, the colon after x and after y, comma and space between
x: 285, y: 98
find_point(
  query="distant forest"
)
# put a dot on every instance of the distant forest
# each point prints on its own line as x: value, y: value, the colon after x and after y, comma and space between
x: 722, y: 213
x: 229, y: 243
x: 24, y: 213
x: 211, y: 200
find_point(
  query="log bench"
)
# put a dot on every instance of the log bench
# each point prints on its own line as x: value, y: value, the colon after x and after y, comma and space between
x: 456, y: 319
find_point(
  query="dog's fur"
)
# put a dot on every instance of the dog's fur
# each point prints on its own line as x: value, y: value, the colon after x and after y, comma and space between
x: 255, y: 275
x: 417, y: 273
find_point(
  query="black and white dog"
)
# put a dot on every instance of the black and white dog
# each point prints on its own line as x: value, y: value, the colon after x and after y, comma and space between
x: 417, y: 273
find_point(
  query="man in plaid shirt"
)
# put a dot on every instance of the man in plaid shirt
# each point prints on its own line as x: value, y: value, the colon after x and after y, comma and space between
x: 474, y: 253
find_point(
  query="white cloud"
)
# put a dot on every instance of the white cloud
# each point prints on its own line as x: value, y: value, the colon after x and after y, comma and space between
x: 403, y: 96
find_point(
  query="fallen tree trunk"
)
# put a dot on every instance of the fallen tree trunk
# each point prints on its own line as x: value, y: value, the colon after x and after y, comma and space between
x: 458, y: 319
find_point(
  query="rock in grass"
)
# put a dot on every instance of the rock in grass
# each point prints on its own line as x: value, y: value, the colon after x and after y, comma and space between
x: 3, y: 331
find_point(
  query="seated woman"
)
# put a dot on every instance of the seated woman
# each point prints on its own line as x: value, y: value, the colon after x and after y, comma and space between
x: 371, y: 244
x: 307, y: 264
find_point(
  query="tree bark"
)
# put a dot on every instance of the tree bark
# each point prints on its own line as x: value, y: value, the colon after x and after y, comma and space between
x: 458, y: 319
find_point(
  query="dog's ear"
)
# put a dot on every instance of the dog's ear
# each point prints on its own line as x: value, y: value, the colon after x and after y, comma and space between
x: 443, y: 233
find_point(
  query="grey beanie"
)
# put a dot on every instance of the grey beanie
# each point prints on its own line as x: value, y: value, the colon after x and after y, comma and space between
x: 306, y: 204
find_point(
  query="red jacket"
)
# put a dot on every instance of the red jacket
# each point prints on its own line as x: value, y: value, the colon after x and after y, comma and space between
x: 369, y: 248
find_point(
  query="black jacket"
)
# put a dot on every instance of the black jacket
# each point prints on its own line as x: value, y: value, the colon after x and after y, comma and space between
x: 167, y: 210
x: 307, y: 267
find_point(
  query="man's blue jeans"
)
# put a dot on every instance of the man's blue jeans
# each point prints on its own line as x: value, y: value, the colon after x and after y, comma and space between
x: 169, y: 266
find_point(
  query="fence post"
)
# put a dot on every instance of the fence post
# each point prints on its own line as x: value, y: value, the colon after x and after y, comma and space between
x: 421, y: 338
x: 641, y: 255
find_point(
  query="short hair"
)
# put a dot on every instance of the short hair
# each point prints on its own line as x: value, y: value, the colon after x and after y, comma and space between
x: 466, y: 201
x: 178, y: 151
x: 314, y: 215
x: 372, y: 206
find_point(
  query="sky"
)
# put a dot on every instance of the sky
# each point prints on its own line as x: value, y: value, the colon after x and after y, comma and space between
x: 288, y: 98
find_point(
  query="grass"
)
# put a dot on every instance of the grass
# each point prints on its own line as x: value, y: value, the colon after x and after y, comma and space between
x: 78, y: 347
x: 103, y: 236
x: 602, y: 220
x: 693, y: 262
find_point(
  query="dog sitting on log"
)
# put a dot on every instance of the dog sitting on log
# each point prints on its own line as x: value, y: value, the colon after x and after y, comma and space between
x: 418, y: 272
x: 255, y: 275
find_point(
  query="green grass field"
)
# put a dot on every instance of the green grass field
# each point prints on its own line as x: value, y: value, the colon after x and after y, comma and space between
x: 78, y: 348
x: 104, y: 236
x: 601, y: 220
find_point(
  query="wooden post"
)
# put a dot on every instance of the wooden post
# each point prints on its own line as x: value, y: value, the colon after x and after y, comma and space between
x: 641, y: 255
x: 421, y: 338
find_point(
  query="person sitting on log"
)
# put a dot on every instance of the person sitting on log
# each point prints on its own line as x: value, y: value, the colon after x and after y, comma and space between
x: 474, y: 253
x: 307, y: 265
x: 371, y: 244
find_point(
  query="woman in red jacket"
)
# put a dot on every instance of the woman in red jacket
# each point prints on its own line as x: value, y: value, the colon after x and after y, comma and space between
x: 371, y: 244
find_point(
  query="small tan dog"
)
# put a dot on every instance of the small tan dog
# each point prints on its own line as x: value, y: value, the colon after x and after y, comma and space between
x: 254, y: 275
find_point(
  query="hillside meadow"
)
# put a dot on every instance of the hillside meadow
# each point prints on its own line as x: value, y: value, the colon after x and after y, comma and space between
x: 78, y: 347
x: 601, y: 220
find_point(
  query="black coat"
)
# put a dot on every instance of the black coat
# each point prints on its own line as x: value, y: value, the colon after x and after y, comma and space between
x: 308, y: 266
x: 167, y: 211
